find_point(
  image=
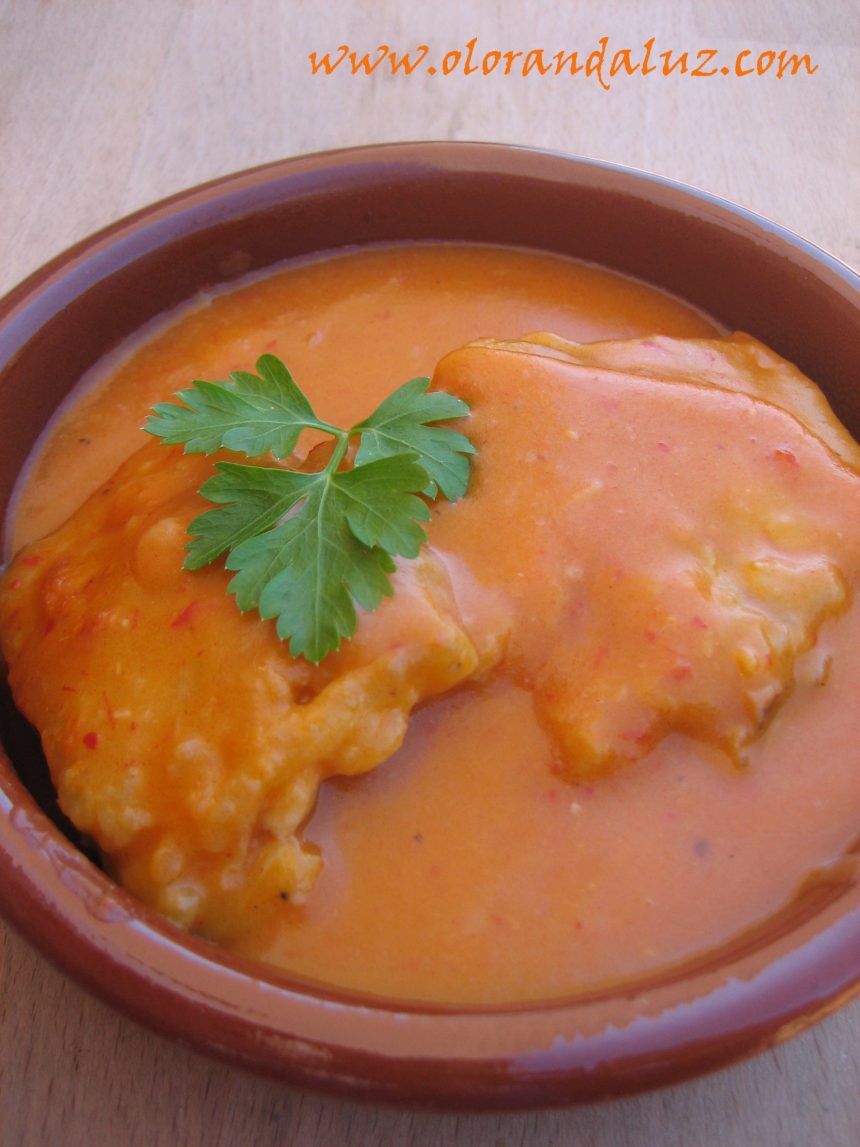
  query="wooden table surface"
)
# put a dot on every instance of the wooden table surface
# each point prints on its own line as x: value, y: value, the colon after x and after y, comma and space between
x: 107, y: 105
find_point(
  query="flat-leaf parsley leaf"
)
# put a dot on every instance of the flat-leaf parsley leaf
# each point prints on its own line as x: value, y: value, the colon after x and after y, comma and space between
x: 307, y: 547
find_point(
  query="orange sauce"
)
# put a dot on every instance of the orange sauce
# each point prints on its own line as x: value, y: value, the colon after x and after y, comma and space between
x: 350, y: 329
x: 466, y: 868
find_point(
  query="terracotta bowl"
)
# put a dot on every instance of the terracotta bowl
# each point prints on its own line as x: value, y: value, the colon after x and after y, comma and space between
x: 746, y: 272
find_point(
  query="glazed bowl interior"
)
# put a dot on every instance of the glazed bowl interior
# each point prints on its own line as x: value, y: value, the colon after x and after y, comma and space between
x: 745, y: 273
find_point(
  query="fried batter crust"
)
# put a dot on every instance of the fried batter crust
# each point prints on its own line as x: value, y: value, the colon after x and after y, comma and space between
x: 181, y: 735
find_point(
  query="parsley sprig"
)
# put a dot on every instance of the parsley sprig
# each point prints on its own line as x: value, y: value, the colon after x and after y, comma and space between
x: 307, y: 547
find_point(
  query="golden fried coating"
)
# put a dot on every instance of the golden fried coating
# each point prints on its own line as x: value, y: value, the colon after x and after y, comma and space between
x: 180, y: 734
x: 687, y: 519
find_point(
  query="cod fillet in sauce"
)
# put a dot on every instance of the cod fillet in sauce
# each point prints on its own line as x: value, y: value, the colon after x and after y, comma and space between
x: 624, y: 661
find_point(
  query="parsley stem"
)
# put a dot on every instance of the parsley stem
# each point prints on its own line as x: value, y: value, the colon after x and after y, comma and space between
x: 339, y: 450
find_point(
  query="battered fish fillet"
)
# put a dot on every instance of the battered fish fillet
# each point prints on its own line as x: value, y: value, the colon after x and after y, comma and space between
x: 699, y: 516
x: 737, y: 363
x: 180, y: 734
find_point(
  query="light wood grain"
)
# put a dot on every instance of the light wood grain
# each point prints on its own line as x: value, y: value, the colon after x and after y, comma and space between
x: 107, y: 105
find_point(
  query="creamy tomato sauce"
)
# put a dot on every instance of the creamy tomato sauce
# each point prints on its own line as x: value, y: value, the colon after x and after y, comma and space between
x: 479, y: 863
x: 350, y: 329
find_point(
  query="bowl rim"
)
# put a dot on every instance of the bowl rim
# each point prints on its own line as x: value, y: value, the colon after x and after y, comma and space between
x: 558, y: 1052
x: 198, y: 202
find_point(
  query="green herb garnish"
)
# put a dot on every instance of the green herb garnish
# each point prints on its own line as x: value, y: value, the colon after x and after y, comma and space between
x: 306, y: 547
